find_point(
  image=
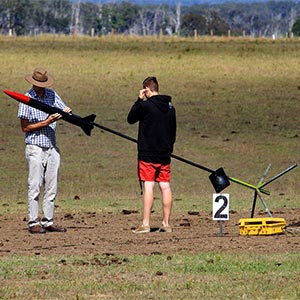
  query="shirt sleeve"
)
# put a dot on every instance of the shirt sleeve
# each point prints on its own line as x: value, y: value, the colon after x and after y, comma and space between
x: 174, y: 127
x: 23, y: 112
x: 59, y: 103
x: 135, y: 112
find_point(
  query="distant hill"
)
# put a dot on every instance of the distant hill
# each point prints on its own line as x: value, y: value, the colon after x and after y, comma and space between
x: 183, y: 2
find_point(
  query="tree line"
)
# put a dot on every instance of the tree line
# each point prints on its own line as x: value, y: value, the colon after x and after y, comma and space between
x: 32, y: 17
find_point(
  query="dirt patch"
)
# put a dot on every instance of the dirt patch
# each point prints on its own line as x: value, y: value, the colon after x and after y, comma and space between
x: 110, y: 233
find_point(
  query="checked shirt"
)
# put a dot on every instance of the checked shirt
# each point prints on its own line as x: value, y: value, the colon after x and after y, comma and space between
x: 44, y: 137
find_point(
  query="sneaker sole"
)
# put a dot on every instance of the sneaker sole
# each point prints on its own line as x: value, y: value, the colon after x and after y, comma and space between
x: 168, y: 230
x: 141, y: 231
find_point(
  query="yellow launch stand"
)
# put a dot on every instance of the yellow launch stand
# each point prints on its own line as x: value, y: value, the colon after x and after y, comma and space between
x: 262, y: 226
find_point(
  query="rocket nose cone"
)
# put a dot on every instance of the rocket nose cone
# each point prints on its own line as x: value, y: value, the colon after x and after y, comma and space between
x: 17, y: 96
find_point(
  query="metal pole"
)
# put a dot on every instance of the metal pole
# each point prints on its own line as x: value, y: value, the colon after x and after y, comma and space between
x: 186, y: 161
x: 262, y: 178
x: 277, y: 176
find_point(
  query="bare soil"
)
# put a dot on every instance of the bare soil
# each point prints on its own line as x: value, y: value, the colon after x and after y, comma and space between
x: 111, y: 233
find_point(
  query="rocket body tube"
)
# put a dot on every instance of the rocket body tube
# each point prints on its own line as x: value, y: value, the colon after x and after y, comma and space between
x: 86, y: 123
x: 218, y: 178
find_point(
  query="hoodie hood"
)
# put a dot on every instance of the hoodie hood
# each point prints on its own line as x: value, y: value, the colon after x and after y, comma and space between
x: 162, y: 102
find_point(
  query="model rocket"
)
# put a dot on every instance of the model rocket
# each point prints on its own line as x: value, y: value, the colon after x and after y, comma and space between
x: 86, y: 123
x: 217, y: 177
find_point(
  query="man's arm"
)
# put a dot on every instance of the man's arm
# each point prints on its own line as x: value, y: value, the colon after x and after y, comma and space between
x: 134, y: 113
x: 28, y: 127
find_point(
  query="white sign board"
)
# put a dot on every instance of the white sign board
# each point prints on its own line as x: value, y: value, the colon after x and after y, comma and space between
x: 220, y: 207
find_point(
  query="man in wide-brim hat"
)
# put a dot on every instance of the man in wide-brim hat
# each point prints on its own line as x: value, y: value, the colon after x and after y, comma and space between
x: 41, y: 152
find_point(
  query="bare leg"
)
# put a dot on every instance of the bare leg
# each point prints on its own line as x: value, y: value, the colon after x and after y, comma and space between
x: 148, y: 201
x: 166, y: 201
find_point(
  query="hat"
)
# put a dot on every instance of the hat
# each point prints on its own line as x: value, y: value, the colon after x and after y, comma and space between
x: 40, y: 78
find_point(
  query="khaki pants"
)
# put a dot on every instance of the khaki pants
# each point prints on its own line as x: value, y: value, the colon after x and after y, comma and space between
x: 43, y: 167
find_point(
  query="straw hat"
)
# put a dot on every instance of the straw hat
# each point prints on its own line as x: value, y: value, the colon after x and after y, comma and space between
x: 40, y: 78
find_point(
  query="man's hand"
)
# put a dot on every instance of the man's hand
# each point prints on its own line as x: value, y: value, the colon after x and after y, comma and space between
x: 145, y: 93
x: 142, y: 94
x: 67, y: 109
x: 53, y: 118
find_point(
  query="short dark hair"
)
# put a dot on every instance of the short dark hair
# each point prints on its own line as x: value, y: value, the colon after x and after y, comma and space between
x: 151, y: 83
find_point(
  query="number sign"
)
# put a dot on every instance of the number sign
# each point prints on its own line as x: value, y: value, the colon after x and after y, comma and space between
x: 220, y: 206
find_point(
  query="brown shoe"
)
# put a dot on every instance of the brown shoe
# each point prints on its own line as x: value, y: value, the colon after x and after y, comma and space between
x: 165, y: 229
x: 36, y: 229
x: 142, y: 229
x: 54, y: 228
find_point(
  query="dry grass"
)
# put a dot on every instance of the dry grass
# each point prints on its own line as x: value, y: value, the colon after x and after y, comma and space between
x: 184, y: 276
x: 237, y: 107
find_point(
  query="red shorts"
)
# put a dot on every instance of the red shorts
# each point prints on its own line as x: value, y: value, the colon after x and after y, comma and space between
x: 154, y: 172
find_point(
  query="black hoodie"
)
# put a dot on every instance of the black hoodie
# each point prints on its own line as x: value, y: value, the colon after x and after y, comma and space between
x: 157, y: 128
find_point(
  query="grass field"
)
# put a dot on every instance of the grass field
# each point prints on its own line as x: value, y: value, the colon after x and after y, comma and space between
x: 236, y: 104
x: 237, y: 108
x: 184, y: 276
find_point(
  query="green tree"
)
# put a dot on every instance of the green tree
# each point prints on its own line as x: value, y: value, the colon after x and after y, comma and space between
x: 124, y: 16
x: 217, y: 24
x: 46, y: 16
x: 89, y: 14
x: 296, y: 28
x: 103, y: 20
x: 191, y: 22
x: 13, y: 16
x: 120, y: 17
x: 58, y: 15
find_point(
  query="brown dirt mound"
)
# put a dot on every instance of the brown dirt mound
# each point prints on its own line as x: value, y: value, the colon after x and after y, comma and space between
x: 110, y: 233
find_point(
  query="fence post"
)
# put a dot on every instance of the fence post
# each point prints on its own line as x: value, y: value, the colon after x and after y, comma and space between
x: 74, y: 32
x: 195, y: 34
x: 160, y: 33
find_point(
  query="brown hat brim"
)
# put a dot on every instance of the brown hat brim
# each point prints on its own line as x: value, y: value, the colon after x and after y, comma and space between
x: 43, y: 84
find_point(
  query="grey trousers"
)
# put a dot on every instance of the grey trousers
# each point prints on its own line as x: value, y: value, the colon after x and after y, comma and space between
x: 43, y: 167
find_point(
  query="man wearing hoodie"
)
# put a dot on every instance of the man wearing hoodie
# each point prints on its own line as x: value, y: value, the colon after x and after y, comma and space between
x: 156, y: 137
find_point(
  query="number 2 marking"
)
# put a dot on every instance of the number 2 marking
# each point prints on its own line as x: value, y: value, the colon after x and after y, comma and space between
x: 222, y: 211
x: 218, y: 214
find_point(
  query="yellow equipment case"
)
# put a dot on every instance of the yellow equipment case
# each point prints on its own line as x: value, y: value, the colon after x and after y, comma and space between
x: 262, y: 226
